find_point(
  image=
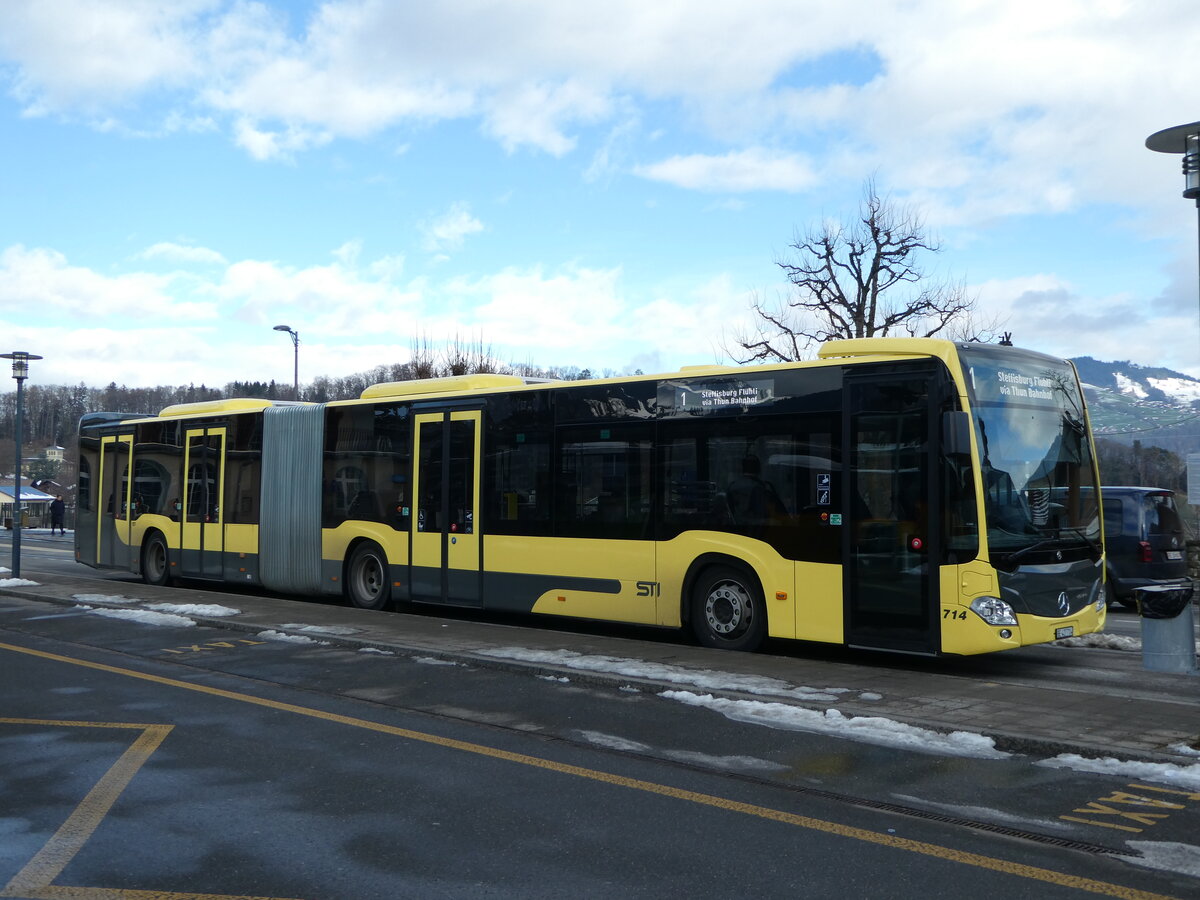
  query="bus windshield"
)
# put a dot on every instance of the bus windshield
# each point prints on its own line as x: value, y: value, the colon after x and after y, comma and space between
x: 1036, y: 460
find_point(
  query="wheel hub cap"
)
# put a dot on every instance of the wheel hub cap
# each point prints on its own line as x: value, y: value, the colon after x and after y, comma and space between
x: 726, y: 610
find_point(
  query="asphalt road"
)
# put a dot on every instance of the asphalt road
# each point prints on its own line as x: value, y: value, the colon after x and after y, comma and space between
x: 190, y: 761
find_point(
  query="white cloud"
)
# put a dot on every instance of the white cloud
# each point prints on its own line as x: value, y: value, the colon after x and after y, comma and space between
x: 182, y: 253
x: 588, y: 317
x: 213, y: 325
x: 534, y: 114
x: 277, y: 145
x: 42, y: 279
x: 1046, y: 313
x: 450, y: 229
x: 335, y: 301
x: 88, y: 56
x: 977, y: 110
x: 755, y: 169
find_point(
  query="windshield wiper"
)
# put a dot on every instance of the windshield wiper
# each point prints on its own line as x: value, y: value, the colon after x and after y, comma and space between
x: 1036, y: 545
x: 1092, y: 543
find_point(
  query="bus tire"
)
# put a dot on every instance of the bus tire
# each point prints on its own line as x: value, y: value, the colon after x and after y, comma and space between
x: 368, y: 585
x: 728, y: 611
x: 156, y: 561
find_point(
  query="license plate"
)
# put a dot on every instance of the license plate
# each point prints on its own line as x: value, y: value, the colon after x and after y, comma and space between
x: 1060, y: 633
x: 1174, y: 554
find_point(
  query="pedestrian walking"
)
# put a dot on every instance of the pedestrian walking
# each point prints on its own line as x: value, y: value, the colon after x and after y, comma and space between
x: 58, y: 510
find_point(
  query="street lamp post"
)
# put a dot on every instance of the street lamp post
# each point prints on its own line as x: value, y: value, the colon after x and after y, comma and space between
x: 295, y: 359
x: 20, y: 369
x: 1183, y: 139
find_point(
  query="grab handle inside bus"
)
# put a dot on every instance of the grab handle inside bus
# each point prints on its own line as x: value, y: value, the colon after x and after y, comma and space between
x: 956, y: 433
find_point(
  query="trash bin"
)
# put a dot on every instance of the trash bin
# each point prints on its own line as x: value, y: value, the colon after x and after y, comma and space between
x: 1168, y: 628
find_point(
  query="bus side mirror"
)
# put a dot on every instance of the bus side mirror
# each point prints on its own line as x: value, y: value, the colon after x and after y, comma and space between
x: 956, y: 433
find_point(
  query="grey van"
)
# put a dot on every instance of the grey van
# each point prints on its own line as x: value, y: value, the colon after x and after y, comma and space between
x: 1143, y: 540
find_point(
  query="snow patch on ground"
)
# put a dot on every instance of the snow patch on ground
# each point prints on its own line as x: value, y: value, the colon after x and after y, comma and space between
x: 144, y: 616
x: 984, y: 814
x: 102, y: 598
x: 870, y: 729
x: 1183, y: 777
x: 1166, y: 855
x: 613, y: 742
x: 702, y: 679
x: 1127, y: 385
x: 289, y: 638
x: 1178, y: 389
x: 727, y: 763
x: 17, y: 582
x: 211, y: 610
x: 376, y: 650
x: 1102, y: 641
x: 321, y: 629
x: 434, y: 661
x: 691, y: 757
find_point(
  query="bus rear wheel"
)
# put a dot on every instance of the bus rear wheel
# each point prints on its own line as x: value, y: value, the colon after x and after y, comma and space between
x: 728, y: 610
x: 156, y: 562
x: 367, y: 583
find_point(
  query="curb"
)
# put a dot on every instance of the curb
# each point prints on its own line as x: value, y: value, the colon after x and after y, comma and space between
x: 1005, y: 741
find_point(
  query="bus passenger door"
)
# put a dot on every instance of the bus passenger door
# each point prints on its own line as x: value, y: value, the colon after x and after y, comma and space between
x: 203, y: 545
x: 446, y: 549
x: 892, y: 556
x: 113, y: 493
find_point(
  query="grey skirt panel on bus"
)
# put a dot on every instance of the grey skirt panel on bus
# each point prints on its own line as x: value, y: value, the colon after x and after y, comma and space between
x: 290, y: 534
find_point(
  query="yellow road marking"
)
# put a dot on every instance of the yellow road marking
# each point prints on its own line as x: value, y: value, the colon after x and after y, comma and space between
x: 860, y: 834
x: 75, y: 831
x: 1100, y: 824
x: 58, y: 892
x: 34, y: 881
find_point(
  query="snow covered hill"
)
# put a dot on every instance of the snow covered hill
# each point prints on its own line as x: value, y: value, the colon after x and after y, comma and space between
x: 1130, y: 402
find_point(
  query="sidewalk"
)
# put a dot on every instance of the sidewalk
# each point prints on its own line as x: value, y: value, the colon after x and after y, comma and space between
x: 42, y: 534
x: 1051, y: 700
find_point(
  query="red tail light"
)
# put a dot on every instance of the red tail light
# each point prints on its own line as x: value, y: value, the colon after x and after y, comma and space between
x: 1145, y: 553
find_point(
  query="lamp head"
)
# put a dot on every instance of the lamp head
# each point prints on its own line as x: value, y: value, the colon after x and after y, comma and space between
x: 20, y: 363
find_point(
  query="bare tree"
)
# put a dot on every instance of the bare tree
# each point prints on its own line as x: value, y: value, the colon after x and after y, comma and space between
x: 858, y: 279
x: 464, y: 356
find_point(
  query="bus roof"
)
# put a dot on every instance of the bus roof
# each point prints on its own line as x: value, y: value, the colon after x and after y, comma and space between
x: 907, y: 346
x: 465, y: 383
x: 232, y: 405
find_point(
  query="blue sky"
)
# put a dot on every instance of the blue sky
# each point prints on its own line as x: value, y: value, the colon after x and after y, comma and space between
x: 604, y: 185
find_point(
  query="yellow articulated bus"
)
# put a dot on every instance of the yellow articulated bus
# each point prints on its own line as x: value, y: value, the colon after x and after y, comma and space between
x: 912, y: 495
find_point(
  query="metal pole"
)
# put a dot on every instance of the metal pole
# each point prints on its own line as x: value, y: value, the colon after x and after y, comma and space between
x: 16, y: 535
x: 20, y: 367
x: 1185, y: 140
x: 295, y: 336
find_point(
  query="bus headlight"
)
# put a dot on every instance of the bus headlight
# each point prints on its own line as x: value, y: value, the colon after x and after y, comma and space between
x: 994, y: 611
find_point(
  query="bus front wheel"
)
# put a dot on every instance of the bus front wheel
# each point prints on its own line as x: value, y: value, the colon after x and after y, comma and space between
x: 156, y: 563
x: 728, y: 610
x: 367, y: 582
